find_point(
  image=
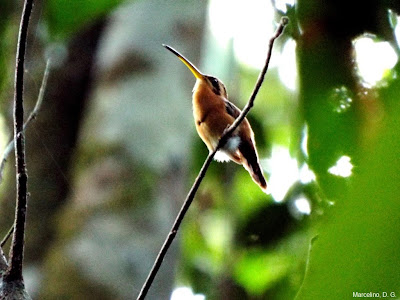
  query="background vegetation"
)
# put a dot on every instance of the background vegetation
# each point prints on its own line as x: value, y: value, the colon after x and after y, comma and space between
x: 114, y: 151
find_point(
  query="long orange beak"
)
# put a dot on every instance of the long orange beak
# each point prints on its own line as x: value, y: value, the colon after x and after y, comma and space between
x: 187, y: 63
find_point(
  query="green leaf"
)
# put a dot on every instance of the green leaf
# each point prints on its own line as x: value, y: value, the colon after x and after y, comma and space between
x: 64, y: 17
x: 257, y: 270
x: 358, y: 247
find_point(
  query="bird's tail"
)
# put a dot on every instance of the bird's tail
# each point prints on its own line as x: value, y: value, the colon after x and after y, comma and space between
x: 252, y: 165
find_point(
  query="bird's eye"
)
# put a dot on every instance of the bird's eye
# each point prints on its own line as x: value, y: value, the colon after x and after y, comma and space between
x: 214, y: 82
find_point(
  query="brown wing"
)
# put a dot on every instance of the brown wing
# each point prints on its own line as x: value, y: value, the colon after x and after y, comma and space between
x: 231, y: 109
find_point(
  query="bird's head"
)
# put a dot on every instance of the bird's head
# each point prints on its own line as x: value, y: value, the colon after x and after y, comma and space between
x: 213, y: 83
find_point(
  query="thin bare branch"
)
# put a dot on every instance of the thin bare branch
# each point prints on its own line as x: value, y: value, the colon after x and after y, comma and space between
x: 260, y: 80
x: 39, y: 100
x: 189, y: 198
x: 10, y: 146
x: 7, y: 236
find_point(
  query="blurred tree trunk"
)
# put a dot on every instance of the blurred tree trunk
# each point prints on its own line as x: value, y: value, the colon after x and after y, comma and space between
x: 54, y: 136
x: 129, y: 171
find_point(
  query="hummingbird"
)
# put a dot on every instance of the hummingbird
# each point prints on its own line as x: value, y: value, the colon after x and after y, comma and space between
x: 213, y: 114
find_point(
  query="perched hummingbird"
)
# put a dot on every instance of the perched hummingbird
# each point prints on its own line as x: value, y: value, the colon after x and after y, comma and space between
x: 213, y: 113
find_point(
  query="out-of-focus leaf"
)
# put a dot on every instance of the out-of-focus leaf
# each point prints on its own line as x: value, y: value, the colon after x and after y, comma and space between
x: 247, y: 197
x: 358, y: 247
x: 257, y: 270
x: 66, y: 17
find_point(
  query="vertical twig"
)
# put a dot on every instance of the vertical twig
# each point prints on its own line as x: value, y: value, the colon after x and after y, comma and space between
x: 189, y: 198
x: 14, y: 271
